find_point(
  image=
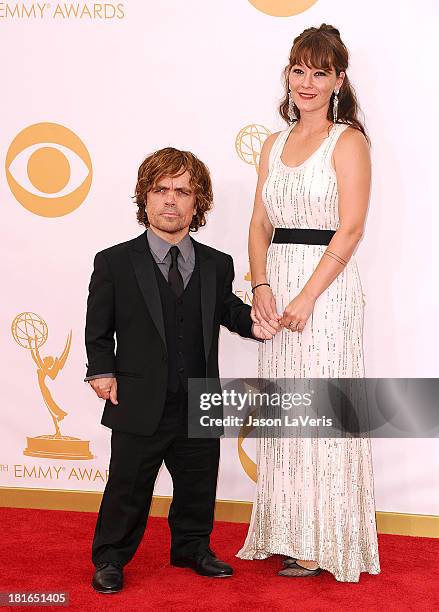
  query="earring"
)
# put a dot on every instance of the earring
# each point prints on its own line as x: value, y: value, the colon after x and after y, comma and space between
x: 335, y: 106
x: 291, y: 111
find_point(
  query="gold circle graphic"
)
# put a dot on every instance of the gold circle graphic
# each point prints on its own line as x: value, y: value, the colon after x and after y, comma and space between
x: 45, y: 165
x: 48, y: 169
x: 282, y: 8
x: 249, y: 141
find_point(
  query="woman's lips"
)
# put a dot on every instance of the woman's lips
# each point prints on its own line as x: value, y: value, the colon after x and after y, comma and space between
x: 307, y: 96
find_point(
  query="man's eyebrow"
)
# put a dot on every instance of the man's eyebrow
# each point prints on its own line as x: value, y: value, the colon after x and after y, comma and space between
x: 159, y: 186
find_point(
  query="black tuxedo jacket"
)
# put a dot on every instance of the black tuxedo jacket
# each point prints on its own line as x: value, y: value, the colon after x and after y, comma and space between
x: 124, y: 301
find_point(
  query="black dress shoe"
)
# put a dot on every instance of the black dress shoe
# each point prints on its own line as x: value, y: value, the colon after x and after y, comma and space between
x: 108, y: 578
x: 205, y: 565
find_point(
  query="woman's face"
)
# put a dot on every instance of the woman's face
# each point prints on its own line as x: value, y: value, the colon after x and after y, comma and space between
x: 312, y: 87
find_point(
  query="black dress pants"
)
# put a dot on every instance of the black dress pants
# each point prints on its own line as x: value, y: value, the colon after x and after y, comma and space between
x: 134, y: 465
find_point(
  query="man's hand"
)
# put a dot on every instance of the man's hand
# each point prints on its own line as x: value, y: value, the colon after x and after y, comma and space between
x: 266, y: 332
x: 105, y: 388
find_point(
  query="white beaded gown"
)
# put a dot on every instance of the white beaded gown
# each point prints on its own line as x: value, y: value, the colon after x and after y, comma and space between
x: 314, y: 497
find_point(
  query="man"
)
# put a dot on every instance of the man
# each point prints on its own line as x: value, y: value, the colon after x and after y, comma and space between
x: 164, y: 296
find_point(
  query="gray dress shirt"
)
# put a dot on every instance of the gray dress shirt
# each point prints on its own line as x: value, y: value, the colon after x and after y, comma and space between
x: 160, y: 251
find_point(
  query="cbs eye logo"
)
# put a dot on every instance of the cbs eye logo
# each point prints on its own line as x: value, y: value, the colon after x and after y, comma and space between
x: 282, y: 8
x: 44, y: 184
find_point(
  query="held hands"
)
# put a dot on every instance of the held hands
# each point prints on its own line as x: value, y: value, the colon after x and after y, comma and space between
x: 105, y: 388
x: 267, y: 322
x: 263, y: 332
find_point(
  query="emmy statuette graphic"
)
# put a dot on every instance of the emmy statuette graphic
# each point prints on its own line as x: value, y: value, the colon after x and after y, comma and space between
x: 30, y: 331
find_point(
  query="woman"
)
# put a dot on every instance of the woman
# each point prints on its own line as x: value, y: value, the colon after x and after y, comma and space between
x: 314, y: 500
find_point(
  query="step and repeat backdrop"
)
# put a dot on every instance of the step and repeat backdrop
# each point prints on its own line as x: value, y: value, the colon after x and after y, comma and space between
x: 88, y: 90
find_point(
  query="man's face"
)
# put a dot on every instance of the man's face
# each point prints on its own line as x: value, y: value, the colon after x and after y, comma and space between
x: 170, y: 204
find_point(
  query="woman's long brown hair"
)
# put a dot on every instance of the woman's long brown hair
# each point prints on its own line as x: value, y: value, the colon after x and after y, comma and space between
x: 323, y: 48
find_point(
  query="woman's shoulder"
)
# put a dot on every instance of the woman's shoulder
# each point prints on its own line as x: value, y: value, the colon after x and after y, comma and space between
x: 350, y: 148
x: 271, y: 139
x: 350, y: 135
x: 269, y: 142
x: 350, y: 141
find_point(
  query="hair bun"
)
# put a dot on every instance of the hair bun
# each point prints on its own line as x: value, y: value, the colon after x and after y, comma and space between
x: 329, y: 29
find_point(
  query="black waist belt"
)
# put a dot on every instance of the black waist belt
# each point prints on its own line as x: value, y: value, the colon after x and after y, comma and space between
x: 288, y: 235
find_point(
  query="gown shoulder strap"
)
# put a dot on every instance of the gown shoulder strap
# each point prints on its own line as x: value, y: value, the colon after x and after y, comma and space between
x: 278, y: 145
x: 335, y: 134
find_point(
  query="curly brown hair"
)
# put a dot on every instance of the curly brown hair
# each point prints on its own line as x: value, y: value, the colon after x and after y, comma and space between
x: 173, y: 162
x: 323, y: 48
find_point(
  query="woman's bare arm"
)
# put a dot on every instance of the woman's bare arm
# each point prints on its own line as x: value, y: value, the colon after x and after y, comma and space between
x: 352, y: 166
x: 260, y: 234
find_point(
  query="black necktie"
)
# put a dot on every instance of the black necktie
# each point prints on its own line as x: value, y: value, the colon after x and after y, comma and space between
x: 175, y: 279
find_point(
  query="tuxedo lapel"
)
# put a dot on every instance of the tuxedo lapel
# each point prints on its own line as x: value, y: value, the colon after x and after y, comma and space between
x: 141, y: 259
x: 208, y: 293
